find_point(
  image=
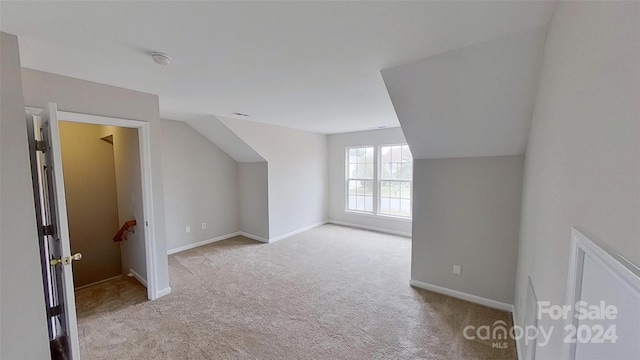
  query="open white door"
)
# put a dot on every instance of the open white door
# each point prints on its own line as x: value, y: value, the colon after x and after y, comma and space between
x: 53, y: 232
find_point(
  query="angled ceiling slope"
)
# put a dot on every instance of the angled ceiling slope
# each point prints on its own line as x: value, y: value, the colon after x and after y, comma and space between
x: 219, y: 134
x: 475, y: 101
x: 307, y: 65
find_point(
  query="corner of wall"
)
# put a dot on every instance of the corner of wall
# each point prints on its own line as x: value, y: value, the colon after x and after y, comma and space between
x: 24, y: 331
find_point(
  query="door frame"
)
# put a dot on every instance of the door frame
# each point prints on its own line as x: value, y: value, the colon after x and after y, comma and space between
x: 144, y: 141
x: 610, y: 261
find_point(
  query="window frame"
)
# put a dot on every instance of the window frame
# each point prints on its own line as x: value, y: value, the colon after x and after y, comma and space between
x: 348, y: 178
x: 380, y: 180
x: 377, y: 183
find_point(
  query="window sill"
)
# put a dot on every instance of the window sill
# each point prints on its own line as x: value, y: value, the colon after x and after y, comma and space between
x: 379, y: 216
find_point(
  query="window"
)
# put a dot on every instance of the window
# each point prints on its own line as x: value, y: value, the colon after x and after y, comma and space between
x: 360, y: 179
x: 379, y: 180
x: 396, y: 173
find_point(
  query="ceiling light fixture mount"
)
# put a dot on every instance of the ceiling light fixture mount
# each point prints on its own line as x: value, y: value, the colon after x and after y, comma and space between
x: 160, y: 58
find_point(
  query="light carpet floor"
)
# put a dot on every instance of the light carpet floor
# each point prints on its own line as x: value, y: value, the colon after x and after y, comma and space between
x: 329, y: 293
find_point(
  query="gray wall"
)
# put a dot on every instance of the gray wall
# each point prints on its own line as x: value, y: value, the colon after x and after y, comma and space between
x: 200, y: 186
x: 466, y: 211
x: 254, y: 198
x: 583, y: 157
x: 336, y: 145
x: 92, y: 98
x: 298, y: 186
x: 23, y: 330
x: 471, y: 101
x: 92, y: 202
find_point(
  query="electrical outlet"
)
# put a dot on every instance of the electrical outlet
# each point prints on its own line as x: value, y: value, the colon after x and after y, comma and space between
x: 204, y: 226
x: 457, y: 270
x: 188, y: 229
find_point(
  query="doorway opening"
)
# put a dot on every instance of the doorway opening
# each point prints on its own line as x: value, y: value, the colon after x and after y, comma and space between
x: 122, y: 168
x: 103, y: 191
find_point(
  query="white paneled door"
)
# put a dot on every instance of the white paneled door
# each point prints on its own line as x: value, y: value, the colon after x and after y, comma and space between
x: 53, y: 232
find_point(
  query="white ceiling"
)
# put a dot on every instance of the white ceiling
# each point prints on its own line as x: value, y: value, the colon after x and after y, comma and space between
x: 312, y: 66
x: 474, y: 101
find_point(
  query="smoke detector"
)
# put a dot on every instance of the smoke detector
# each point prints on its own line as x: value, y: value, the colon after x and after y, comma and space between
x: 160, y: 58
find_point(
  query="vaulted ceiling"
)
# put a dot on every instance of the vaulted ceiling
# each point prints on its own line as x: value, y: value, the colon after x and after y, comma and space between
x: 473, y: 101
x: 312, y: 66
x: 218, y: 133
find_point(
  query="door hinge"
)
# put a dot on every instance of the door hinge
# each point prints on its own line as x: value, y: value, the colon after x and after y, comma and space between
x: 54, y: 311
x: 48, y: 230
x: 41, y: 145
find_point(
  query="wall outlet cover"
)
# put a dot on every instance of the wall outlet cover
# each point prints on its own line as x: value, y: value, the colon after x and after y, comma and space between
x: 457, y: 270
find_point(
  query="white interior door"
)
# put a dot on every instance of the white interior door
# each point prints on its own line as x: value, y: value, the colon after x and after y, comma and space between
x: 53, y: 231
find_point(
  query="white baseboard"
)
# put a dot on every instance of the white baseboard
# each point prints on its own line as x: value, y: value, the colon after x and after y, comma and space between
x: 253, y: 237
x: 372, y: 228
x: 296, y: 232
x: 204, y: 242
x: 163, y: 292
x: 464, y: 296
x: 97, y: 282
x: 138, y: 277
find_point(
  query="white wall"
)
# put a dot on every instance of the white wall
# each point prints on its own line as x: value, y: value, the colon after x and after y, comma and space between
x: 200, y: 186
x: 583, y: 165
x: 23, y: 329
x: 466, y: 212
x: 298, y: 186
x: 337, y: 144
x: 126, y: 150
x: 253, y: 199
x: 89, y: 171
x: 86, y: 97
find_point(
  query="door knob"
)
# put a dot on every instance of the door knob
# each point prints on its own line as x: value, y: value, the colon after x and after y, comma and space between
x: 66, y: 260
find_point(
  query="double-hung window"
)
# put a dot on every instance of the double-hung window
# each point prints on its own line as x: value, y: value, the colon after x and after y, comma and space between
x: 360, y: 178
x: 379, y: 180
x: 396, y: 174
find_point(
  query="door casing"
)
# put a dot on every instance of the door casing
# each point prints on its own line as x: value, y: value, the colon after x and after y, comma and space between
x: 144, y: 140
